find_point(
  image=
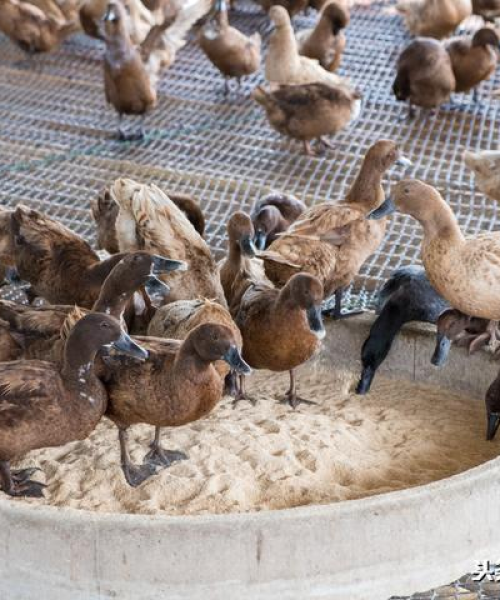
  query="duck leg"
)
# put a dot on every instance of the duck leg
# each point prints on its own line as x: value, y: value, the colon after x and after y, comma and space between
x: 231, y: 384
x: 489, y: 337
x: 134, y: 474
x: 336, y: 313
x: 160, y: 457
x: 308, y: 149
x: 18, y: 483
x: 241, y: 394
x: 326, y: 144
x: 291, y: 396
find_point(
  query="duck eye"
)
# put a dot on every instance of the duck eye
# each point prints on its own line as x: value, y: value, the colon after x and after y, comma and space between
x: 104, y: 325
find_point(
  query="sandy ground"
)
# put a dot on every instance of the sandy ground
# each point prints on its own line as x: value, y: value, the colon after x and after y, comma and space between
x: 270, y: 457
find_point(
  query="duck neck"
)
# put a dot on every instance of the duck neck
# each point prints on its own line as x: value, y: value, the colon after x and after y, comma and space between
x: 382, y: 334
x: 283, y: 40
x: 235, y: 253
x: 78, y: 362
x: 367, y: 189
x: 97, y: 273
x: 442, y: 225
x: 189, y: 361
x: 221, y: 16
x: 285, y: 301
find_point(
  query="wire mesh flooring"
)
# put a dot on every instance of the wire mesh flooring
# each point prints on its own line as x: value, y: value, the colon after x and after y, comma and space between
x: 58, y: 147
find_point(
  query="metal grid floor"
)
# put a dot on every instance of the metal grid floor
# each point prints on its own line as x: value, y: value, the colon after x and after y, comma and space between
x: 57, y: 149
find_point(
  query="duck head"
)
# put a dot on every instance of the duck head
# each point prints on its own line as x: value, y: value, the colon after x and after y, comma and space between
x: 449, y: 325
x: 265, y: 222
x: 337, y: 16
x: 114, y: 20
x: 306, y: 292
x: 279, y: 16
x: 241, y: 233
x: 383, y: 155
x: 212, y: 342
x: 486, y: 37
x: 492, y: 401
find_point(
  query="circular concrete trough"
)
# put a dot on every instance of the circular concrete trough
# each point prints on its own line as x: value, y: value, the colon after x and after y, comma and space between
x: 366, y: 549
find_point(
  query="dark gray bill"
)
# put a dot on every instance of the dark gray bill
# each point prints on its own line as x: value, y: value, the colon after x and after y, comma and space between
x: 234, y: 360
x: 155, y: 286
x: 387, y: 208
x: 441, y: 351
x: 365, y: 381
x: 315, y: 321
x: 165, y: 265
x: 493, y: 423
x: 247, y: 246
x: 260, y: 240
x: 126, y: 345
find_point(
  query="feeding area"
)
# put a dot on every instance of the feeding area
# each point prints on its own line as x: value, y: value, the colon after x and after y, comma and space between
x: 249, y: 321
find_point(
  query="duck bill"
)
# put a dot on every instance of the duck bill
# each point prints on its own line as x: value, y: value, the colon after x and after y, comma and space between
x: 315, y: 321
x: 492, y: 425
x: 248, y: 247
x: 441, y: 351
x: 387, y: 208
x: 126, y: 345
x: 365, y: 381
x: 260, y: 240
x: 163, y: 265
x: 156, y: 287
x: 404, y: 162
x: 236, y: 362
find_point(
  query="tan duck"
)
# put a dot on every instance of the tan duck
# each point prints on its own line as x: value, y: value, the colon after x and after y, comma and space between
x: 284, y: 64
x: 44, y: 405
x: 60, y: 266
x: 37, y: 332
x: 326, y: 42
x: 273, y: 215
x: 424, y: 75
x: 434, y: 18
x: 465, y: 271
x: 176, y: 385
x: 281, y: 329
x: 149, y: 220
x: 473, y: 58
x: 332, y: 241
x: 104, y: 211
x: 486, y: 168
x: 232, y: 52
x: 308, y: 112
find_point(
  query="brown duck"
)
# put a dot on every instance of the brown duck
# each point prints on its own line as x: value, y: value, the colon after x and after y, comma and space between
x: 232, y: 52
x: 177, y: 384
x: 488, y: 9
x: 104, y: 210
x: 43, y: 405
x: 424, y: 75
x: 326, y: 42
x: 281, y: 329
x: 332, y: 241
x: 309, y: 111
x: 38, y: 332
x: 473, y: 59
x: 273, y: 215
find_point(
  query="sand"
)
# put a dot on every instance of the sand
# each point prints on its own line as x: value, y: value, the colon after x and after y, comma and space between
x: 269, y: 457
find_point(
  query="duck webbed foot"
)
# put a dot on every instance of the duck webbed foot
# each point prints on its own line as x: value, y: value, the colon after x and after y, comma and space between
x: 292, y: 398
x: 131, y: 136
x: 160, y: 457
x: 336, y: 312
x: 134, y: 474
x: 479, y: 334
x: 18, y: 483
x: 241, y: 394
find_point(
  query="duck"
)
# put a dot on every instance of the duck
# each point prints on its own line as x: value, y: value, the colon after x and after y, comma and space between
x: 332, y: 241
x: 473, y: 59
x: 281, y: 329
x: 104, y: 211
x: 434, y: 18
x: 44, y: 405
x: 489, y: 10
x: 240, y: 260
x: 233, y: 53
x: 486, y: 168
x: 274, y: 214
x: 406, y: 296
x: 309, y: 111
x: 32, y: 29
x: 464, y: 271
x: 128, y: 85
x: 61, y: 267
x: 149, y: 220
x: 425, y: 75
x: 38, y: 332
x: 176, y: 385
x: 326, y: 42
x: 284, y: 64
x: 492, y: 401
x: 292, y: 7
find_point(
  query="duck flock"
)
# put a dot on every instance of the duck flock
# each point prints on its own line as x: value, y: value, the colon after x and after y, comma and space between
x: 158, y: 331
